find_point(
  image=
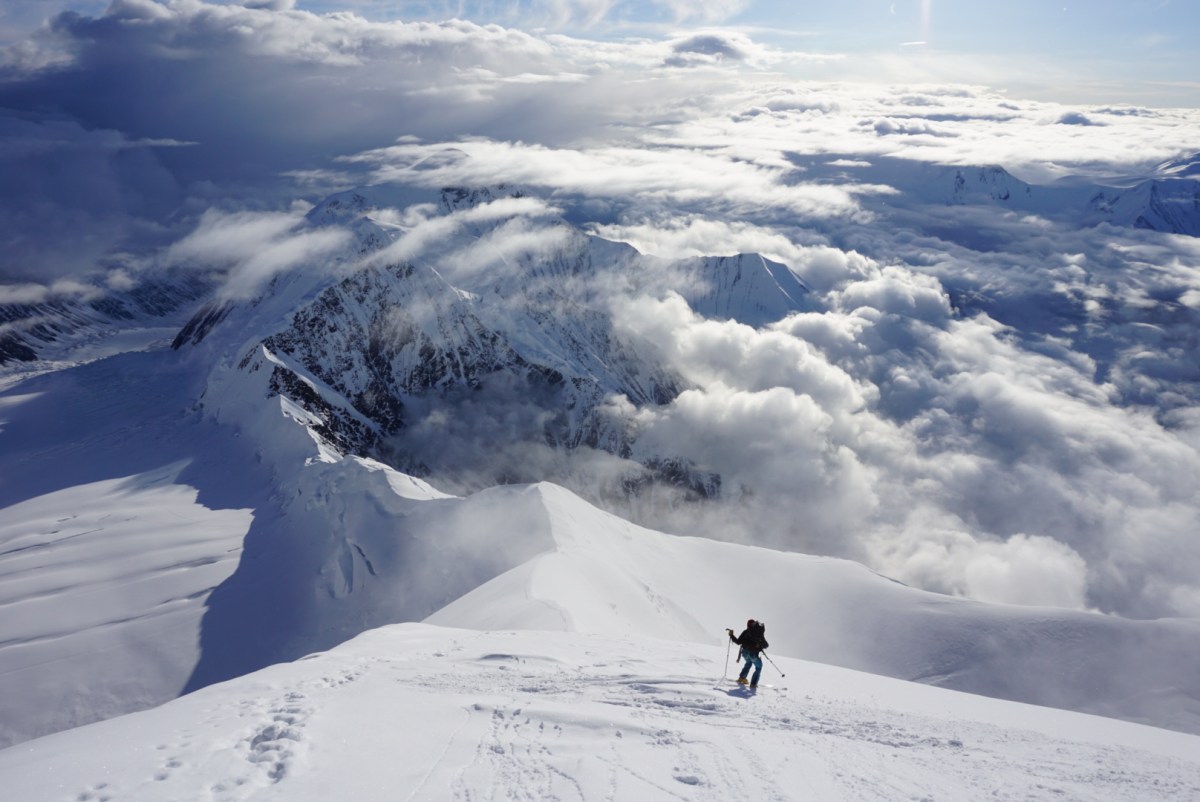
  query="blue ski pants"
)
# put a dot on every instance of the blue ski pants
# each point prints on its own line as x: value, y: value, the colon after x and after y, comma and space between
x: 752, y: 659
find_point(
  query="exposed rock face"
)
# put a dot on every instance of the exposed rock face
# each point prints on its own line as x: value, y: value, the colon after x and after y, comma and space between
x: 33, y: 331
x: 1170, y: 205
x: 376, y: 353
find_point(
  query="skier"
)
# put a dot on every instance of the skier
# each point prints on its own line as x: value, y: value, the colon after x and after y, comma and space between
x: 753, y: 640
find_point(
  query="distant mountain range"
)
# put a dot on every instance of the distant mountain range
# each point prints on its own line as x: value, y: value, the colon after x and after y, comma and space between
x: 1168, y: 201
x: 371, y: 341
x: 50, y: 327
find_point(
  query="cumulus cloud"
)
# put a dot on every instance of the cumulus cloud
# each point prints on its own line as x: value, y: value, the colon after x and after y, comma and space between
x: 768, y: 413
x: 1023, y: 570
x: 934, y: 447
x: 63, y: 289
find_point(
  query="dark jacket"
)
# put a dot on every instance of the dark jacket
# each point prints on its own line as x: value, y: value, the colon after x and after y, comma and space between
x: 753, y: 639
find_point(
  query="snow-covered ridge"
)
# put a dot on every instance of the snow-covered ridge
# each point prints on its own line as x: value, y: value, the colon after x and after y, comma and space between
x: 1171, y: 205
x: 597, y: 573
x: 1166, y: 200
x: 609, y: 577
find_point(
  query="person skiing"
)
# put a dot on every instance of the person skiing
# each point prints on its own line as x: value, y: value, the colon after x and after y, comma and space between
x: 753, y: 640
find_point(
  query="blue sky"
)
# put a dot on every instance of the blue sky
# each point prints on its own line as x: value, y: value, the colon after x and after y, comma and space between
x: 1136, y: 51
x: 1130, y: 51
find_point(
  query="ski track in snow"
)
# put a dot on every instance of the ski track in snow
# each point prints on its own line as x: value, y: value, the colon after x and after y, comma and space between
x: 689, y: 724
x: 564, y: 717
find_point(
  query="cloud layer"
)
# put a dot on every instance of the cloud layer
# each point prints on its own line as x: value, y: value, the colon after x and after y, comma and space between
x: 988, y: 396
x: 162, y: 110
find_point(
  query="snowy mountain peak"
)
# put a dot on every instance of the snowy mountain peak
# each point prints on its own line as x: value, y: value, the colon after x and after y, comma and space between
x: 1170, y: 205
x: 608, y: 577
x: 343, y: 208
x: 340, y: 208
x: 745, y: 287
x: 454, y: 199
x: 389, y: 356
x: 1184, y: 167
x: 992, y: 182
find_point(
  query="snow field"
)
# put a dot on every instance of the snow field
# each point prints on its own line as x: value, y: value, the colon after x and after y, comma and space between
x: 102, y: 589
x: 417, y: 712
x: 105, y: 562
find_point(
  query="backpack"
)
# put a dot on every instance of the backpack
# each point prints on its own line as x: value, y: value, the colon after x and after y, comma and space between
x: 758, y: 637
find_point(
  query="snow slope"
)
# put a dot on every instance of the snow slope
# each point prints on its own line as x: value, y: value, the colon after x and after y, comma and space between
x: 120, y: 511
x: 329, y: 546
x: 607, y: 576
x: 417, y: 712
x: 185, y: 550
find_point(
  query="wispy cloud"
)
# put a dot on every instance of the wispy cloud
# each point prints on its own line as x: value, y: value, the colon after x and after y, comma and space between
x: 252, y: 247
x: 666, y: 174
x: 559, y: 15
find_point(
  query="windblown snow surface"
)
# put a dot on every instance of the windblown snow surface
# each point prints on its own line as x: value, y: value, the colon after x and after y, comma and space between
x: 420, y: 712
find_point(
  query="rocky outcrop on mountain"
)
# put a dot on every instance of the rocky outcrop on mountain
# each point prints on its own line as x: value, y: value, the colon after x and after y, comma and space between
x: 381, y: 352
x: 201, y: 323
x: 993, y: 182
x: 1168, y: 205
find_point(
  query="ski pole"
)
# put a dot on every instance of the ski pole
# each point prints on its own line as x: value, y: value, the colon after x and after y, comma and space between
x: 728, y: 646
x: 772, y: 662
